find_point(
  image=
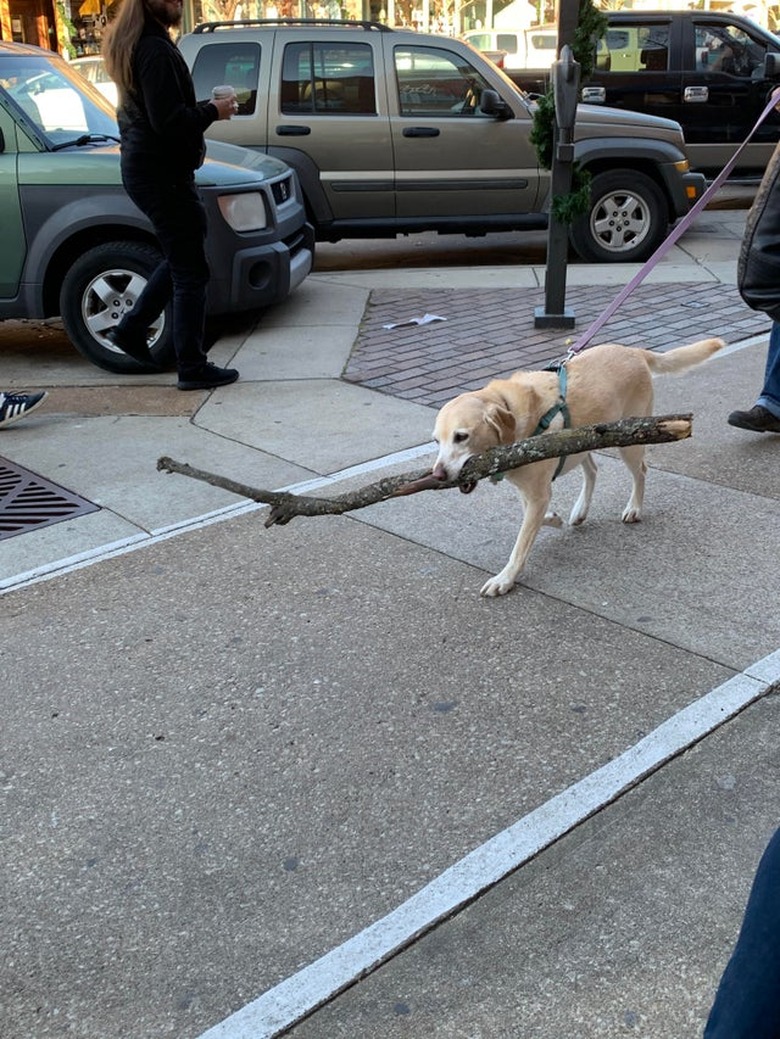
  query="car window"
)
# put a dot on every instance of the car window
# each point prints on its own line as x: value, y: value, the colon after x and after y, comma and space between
x: 506, y: 41
x: 482, y: 41
x: 328, y: 79
x: 635, y: 48
x: 541, y: 40
x: 433, y: 82
x: 95, y: 71
x: 86, y: 68
x: 92, y: 69
x: 727, y: 48
x: 54, y: 98
x: 236, y: 64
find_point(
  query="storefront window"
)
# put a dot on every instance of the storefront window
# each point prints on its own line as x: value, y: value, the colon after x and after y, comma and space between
x: 227, y: 10
x: 88, y: 19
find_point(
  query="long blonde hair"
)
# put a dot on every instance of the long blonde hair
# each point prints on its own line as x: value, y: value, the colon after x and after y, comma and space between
x: 119, y: 43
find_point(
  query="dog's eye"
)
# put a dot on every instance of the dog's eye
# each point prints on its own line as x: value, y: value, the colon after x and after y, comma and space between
x: 460, y: 437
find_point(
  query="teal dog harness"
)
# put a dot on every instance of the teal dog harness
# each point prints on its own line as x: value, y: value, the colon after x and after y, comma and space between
x: 559, y: 408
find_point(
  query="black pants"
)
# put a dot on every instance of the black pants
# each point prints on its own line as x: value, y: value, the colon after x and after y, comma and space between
x: 747, y: 1004
x: 179, y: 221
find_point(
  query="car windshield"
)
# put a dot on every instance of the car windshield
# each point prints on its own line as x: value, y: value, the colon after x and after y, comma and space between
x: 61, y: 106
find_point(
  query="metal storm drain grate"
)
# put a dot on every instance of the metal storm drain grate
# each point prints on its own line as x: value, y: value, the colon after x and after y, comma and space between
x: 28, y: 502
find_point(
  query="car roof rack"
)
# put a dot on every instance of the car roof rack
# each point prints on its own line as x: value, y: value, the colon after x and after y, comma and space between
x: 239, y: 22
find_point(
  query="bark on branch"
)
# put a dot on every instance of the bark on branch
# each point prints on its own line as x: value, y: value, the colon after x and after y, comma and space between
x: 662, y: 429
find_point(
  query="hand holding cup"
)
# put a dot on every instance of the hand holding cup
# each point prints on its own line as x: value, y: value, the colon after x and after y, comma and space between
x: 225, y: 101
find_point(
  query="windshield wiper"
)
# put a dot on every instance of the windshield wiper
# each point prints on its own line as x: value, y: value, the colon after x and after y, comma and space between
x: 86, y: 138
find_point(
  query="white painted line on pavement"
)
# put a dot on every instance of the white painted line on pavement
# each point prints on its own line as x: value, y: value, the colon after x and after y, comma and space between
x: 142, y: 540
x: 281, y: 1007
x: 741, y: 344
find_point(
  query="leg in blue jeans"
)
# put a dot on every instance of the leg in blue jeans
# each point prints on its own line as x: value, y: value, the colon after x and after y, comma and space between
x: 747, y: 1003
x: 770, y: 394
x: 764, y: 416
x: 179, y: 221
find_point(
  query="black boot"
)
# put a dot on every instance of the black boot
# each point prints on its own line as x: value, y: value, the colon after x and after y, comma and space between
x: 758, y: 420
x: 207, y: 378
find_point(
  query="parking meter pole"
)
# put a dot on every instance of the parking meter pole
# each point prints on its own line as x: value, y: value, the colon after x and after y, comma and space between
x: 568, y: 20
x: 566, y: 79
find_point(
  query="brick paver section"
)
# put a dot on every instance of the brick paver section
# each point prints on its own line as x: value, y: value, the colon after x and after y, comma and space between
x: 489, y: 333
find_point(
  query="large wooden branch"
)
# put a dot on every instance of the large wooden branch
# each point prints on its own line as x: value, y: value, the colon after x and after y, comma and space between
x: 653, y: 430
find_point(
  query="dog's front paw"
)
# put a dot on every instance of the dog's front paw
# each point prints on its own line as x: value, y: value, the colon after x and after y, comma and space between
x: 498, y: 585
x: 631, y: 515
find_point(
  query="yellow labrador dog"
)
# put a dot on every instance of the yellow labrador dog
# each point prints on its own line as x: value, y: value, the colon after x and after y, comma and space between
x: 603, y: 384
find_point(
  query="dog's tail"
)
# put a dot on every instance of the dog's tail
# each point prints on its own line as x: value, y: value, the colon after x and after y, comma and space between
x: 683, y: 358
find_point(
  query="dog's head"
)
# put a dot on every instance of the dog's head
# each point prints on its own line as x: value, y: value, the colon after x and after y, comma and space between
x: 467, y: 426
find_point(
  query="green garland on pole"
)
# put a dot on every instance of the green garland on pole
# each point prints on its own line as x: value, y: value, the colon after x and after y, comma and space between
x: 591, y: 25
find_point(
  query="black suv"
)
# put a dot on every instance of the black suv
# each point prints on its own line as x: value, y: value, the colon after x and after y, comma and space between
x: 711, y: 71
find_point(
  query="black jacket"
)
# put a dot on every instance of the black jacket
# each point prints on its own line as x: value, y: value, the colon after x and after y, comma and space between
x: 160, y: 122
x: 758, y: 267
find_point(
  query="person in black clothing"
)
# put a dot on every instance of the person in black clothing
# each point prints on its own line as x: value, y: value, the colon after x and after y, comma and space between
x: 161, y: 127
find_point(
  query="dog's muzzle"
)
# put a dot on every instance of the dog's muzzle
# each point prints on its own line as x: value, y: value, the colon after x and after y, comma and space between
x: 440, y: 473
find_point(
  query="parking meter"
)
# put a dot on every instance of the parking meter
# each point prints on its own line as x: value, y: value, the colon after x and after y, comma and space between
x: 566, y: 86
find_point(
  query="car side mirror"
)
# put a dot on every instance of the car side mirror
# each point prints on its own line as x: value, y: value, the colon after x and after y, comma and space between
x: 771, y: 65
x: 491, y: 104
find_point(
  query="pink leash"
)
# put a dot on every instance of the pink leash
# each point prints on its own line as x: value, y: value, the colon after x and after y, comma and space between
x: 677, y: 231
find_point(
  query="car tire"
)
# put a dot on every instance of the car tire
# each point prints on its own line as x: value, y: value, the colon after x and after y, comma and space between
x: 627, y: 221
x: 96, y: 292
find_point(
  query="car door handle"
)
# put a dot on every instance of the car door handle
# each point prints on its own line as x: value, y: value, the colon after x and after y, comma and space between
x: 696, y: 94
x: 293, y: 131
x: 594, y: 95
x: 421, y: 131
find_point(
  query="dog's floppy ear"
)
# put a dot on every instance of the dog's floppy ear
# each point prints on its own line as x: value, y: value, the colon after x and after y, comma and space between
x: 500, y: 418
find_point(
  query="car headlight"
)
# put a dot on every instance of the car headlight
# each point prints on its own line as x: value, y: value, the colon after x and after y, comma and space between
x: 244, y: 212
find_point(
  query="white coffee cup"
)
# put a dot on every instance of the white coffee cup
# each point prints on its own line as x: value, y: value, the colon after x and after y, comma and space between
x: 225, y: 93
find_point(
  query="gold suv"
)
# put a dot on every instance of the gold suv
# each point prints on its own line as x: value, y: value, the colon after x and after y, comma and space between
x: 392, y: 131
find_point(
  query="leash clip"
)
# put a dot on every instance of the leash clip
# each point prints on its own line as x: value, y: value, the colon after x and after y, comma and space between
x: 555, y: 366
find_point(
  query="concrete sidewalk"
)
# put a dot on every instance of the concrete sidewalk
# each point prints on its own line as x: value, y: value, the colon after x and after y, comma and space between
x: 233, y: 753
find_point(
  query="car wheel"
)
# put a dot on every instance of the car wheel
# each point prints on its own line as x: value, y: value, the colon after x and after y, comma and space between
x: 100, y: 287
x: 627, y: 221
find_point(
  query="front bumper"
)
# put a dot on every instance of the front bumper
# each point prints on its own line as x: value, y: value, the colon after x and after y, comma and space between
x: 693, y: 186
x: 260, y: 275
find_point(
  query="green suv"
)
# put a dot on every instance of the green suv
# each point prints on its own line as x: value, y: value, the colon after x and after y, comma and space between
x: 392, y: 131
x: 75, y: 245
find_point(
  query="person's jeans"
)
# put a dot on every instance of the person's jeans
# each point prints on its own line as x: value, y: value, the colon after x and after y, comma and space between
x: 179, y: 221
x: 770, y: 394
x: 747, y: 1003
